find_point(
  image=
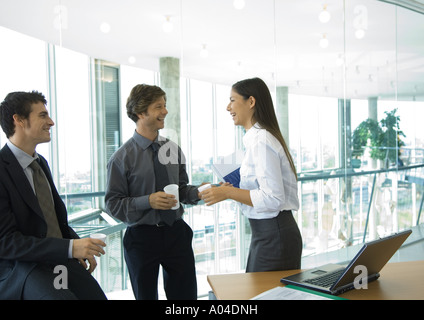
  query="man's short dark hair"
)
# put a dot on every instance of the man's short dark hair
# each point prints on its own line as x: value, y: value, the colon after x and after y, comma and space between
x: 19, y: 103
x: 141, y: 96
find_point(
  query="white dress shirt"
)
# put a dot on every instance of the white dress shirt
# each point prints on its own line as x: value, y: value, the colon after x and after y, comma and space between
x: 266, y: 172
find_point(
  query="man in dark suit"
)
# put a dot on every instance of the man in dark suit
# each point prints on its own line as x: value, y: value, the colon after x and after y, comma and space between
x: 33, y: 239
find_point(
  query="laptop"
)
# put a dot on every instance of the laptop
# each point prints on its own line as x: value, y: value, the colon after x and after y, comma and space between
x: 335, y: 278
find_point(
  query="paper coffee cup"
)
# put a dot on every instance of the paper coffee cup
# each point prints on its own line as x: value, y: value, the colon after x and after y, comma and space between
x: 204, y: 187
x: 173, y: 189
x: 100, y: 236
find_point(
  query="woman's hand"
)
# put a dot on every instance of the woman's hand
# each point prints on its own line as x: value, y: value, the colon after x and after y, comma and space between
x: 215, y: 194
x: 226, y: 191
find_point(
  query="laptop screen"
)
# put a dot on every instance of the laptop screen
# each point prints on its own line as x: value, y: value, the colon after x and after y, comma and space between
x: 373, y: 256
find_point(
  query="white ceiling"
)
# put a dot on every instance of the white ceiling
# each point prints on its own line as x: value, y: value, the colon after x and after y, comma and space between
x: 276, y: 40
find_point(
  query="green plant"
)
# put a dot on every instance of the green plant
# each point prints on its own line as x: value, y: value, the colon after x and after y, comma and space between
x: 368, y: 130
x: 391, y: 137
x: 383, y: 137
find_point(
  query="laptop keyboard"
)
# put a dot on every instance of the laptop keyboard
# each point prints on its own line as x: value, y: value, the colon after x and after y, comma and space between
x: 326, y: 280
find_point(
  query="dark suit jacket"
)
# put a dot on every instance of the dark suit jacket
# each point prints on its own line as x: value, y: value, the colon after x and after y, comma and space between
x: 23, y: 230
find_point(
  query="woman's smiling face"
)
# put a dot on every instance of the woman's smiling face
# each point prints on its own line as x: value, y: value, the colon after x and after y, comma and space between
x: 241, y: 109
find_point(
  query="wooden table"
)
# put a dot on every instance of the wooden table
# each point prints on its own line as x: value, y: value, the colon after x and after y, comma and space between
x: 401, y: 280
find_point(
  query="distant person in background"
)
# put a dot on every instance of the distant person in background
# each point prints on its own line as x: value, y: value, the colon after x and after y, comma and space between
x: 268, y: 181
x: 137, y: 174
x: 34, y: 233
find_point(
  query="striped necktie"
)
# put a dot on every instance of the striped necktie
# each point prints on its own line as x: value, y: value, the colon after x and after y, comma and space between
x: 45, y: 200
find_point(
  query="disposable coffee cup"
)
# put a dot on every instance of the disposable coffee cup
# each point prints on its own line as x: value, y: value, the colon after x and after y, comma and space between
x: 100, y: 236
x: 173, y: 189
x: 204, y: 187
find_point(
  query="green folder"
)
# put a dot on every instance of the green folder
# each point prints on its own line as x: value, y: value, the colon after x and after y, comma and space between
x: 329, y: 296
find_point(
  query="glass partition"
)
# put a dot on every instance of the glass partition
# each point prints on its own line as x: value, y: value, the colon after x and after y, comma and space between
x: 15, y: 61
x: 347, y: 79
x: 74, y: 127
x: 220, y: 235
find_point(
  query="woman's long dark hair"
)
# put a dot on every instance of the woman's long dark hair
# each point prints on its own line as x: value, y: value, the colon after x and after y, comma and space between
x: 264, y: 112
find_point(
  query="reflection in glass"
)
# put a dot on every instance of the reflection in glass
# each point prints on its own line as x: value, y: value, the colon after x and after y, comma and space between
x: 369, y: 67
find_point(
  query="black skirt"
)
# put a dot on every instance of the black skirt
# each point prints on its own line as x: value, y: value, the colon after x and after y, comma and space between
x: 276, y: 244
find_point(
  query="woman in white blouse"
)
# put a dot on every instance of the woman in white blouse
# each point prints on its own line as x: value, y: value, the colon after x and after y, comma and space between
x: 268, y: 181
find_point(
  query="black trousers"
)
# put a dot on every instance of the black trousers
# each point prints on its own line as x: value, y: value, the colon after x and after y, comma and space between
x: 40, y: 284
x: 147, y: 247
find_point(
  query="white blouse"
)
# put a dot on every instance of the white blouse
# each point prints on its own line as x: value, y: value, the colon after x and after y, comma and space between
x: 266, y: 172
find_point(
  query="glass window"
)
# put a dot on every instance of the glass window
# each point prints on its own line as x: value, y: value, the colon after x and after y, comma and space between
x: 130, y: 77
x: 202, y: 146
x: 359, y: 112
x: 328, y: 132
x: 313, y: 132
x: 374, y: 64
x: 23, y: 70
x: 74, y: 127
x: 185, y: 123
x: 228, y: 255
x: 225, y: 131
x: 201, y: 150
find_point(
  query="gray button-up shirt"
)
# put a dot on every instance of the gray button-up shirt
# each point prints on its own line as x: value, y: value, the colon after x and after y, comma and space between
x: 131, y: 179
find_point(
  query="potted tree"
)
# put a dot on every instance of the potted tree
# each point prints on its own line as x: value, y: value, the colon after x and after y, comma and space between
x: 391, y: 138
x: 383, y: 138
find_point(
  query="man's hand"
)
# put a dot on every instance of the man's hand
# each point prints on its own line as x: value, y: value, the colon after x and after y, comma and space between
x: 162, y: 201
x: 87, y: 248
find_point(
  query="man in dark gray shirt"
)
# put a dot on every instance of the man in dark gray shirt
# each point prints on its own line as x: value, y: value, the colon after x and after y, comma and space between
x: 134, y: 195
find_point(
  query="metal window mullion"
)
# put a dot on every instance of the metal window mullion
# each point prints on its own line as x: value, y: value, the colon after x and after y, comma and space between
x: 52, y: 103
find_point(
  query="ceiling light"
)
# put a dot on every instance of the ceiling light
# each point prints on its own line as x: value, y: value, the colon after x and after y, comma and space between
x: 167, y: 25
x: 204, y: 52
x: 323, y: 42
x: 324, y: 15
x: 359, y: 33
x: 360, y: 21
x: 132, y: 59
x: 105, y: 27
x: 239, y: 4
